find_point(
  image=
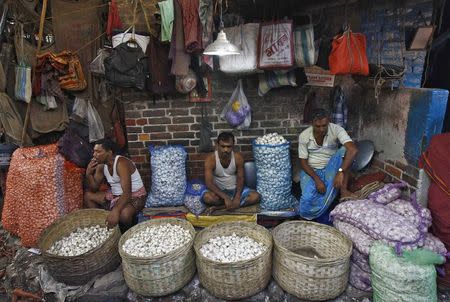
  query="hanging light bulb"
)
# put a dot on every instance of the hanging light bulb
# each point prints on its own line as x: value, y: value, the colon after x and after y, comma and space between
x: 221, y: 46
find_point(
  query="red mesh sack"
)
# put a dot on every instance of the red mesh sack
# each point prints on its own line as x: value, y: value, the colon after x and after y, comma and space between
x: 41, y: 187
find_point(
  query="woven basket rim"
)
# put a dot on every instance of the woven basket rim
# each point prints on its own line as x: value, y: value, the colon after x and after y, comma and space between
x: 290, y: 253
x: 47, y: 230
x: 219, y: 225
x: 186, y: 224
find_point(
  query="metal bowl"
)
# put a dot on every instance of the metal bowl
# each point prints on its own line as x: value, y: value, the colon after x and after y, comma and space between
x: 366, y: 149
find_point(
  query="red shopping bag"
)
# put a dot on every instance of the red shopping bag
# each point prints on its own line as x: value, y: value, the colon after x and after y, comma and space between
x: 348, y: 54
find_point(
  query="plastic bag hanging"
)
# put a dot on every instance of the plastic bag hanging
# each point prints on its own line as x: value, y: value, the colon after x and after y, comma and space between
x: 96, y: 130
x: 237, y: 111
x: 22, y: 88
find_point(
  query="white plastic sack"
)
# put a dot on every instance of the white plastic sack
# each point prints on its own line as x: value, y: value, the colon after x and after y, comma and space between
x: 245, y: 37
x: 97, y: 66
x: 237, y: 111
x: 276, y: 45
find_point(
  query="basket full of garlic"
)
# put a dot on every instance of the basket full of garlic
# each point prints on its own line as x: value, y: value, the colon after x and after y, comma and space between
x: 157, y: 256
x: 311, y: 260
x: 78, y: 246
x: 234, y: 259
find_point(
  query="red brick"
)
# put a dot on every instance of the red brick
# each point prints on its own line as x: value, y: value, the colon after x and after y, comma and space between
x: 400, y: 165
x: 182, y: 104
x: 130, y: 122
x: 396, y: 172
x: 158, y: 120
x: 136, y: 145
x: 142, y: 121
x: 132, y: 137
x: 177, y: 112
x: 183, y: 135
x: 211, y: 119
x: 134, y: 129
x: 148, y: 129
x: 154, y: 113
x: 194, y: 127
x: 190, y: 150
x: 224, y: 126
x: 195, y: 142
x: 160, y: 135
x: 183, y: 142
x: 159, y: 105
x: 133, y: 114
x: 183, y: 120
x: 176, y: 128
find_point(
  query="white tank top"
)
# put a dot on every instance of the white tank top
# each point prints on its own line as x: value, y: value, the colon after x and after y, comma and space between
x: 225, y: 179
x: 114, y: 180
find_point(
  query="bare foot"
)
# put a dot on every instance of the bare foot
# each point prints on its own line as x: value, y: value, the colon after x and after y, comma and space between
x: 210, y: 210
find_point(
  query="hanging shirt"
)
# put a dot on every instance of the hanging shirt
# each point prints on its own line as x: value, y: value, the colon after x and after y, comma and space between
x: 192, y: 27
x: 167, y: 17
x: 180, y: 58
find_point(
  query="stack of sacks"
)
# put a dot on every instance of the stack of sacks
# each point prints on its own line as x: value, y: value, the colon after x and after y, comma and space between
x: 384, y: 217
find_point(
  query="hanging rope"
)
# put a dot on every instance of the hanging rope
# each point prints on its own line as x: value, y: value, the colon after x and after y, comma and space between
x: 41, y: 33
x: 74, y: 12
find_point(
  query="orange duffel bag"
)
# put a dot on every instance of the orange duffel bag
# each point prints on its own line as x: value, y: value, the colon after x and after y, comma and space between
x: 348, y: 54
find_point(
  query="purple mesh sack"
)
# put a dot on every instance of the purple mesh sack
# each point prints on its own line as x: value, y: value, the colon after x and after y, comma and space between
x: 434, y: 244
x: 388, y: 193
x: 380, y: 223
x: 359, y: 279
x: 413, y: 212
x: 361, y: 260
x: 361, y: 241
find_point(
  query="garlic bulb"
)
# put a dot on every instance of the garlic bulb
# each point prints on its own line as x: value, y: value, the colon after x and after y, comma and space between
x: 156, y: 240
x: 81, y: 241
x: 271, y: 139
x: 232, y: 248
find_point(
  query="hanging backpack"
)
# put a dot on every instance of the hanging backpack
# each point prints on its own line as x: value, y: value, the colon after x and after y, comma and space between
x: 127, y: 66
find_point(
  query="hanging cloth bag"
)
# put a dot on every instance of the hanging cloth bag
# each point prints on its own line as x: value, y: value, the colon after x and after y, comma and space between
x: 275, y: 45
x: 348, y: 54
x: 22, y: 88
x: 305, y: 51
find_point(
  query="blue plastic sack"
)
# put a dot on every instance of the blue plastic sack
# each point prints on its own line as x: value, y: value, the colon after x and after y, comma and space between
x: 274, y: 176
x: 193, y: 197
x: 168, y: 185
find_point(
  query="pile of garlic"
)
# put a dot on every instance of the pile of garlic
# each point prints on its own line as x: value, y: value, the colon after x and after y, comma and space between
x: 271, y: 139
x: 232, y: 248
x: 81, y: 241
x: 168, y: 176
x: 156, y: 240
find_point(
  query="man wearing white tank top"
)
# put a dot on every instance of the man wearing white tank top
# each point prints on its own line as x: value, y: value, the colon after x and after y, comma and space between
x: 224, y: 177
x: 126, y: 194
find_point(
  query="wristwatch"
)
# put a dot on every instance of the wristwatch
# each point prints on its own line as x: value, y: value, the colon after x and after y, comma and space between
x: 340, y: 170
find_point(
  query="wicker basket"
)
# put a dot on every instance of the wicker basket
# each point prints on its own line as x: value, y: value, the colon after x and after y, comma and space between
x: 237, y: 280
x: 77, y: 270
x: 311, y: 260
x: 159, y: 275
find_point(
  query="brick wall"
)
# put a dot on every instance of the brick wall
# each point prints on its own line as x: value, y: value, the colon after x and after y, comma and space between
x: 399, y: 171
x: 384, y: 28
x: 177, y: 121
